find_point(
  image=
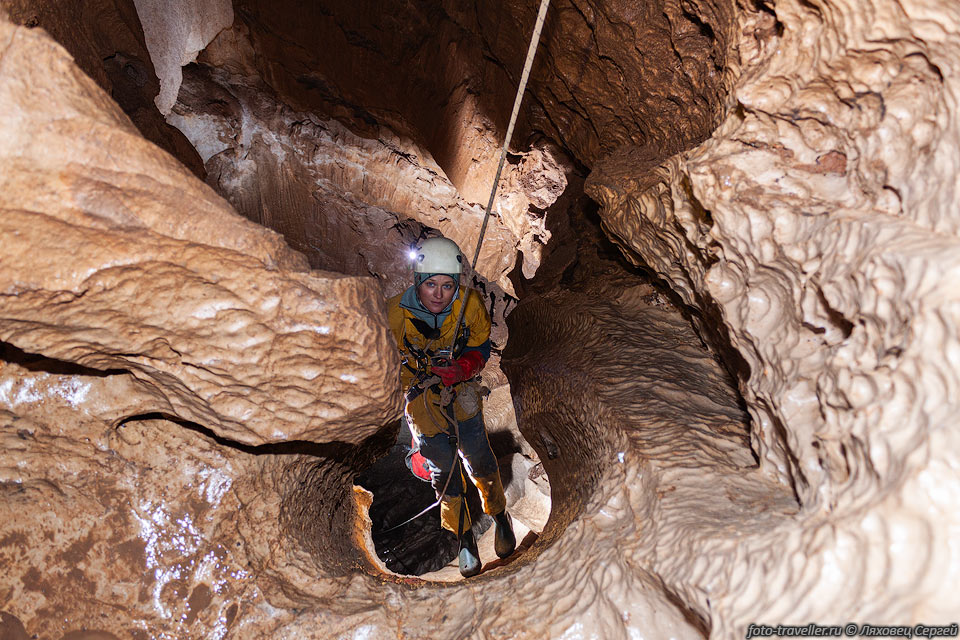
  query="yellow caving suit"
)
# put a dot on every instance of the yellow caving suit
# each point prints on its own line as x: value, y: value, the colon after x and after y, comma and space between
x: 432, y: 432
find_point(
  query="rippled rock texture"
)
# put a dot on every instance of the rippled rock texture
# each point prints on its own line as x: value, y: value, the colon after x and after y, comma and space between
x: 819, y: 225
x: 115, y: 258
x: 184, y: 404
x: 351, y: 203
x: 129, y: 291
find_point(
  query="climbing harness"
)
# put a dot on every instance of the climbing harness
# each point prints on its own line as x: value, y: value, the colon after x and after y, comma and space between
x: 422, y: 383
x: 416, y: 390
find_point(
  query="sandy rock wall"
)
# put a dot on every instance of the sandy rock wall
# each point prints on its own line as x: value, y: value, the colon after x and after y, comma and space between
x: 646, y: 450
x: 818, y: 223
x: 149, y: 271
x: 106, y: 41
x: 349, y: 203
x: 594, y: 95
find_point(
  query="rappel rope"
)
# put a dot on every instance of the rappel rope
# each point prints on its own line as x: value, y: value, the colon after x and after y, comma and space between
x: 528, y: 63
x: 531, y: 53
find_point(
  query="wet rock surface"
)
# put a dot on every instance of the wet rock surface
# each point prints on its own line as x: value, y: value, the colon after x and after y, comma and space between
x: 106, y: 266
x: 165, y: 361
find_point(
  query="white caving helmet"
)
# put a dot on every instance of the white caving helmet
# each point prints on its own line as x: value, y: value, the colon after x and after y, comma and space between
x: 438, y: 255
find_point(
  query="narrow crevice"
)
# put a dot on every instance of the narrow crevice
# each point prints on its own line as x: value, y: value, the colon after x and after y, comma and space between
x: 43, y: 364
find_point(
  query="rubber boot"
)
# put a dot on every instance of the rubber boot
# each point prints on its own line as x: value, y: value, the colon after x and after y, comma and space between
x: 469, y: 558
x: 505, y: 542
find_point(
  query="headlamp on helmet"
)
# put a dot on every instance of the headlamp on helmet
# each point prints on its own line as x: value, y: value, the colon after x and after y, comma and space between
x: 438, y: 255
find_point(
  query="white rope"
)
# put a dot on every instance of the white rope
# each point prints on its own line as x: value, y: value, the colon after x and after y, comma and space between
x: 531, y: 53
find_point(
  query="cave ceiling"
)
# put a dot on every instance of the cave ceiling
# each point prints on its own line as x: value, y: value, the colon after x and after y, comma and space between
x: 445, y: 73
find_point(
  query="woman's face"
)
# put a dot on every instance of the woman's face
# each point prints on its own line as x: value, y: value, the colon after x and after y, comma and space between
x: 436, y: 292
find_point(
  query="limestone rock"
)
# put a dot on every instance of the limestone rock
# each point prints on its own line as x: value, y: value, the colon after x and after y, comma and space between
x: 145, y: 269
x: 351, y: 203
x: 175, y: 32
x: 421, y: 70
x: 619, y: 445
x: 106, y: 41
x: 812, y: 237
x: 818, y: 224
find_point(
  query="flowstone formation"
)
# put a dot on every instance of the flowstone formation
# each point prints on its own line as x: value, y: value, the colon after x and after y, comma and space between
x: 185, y: 404
x: 120, y: 302
x: 818, y: 225
x: 350, y: 203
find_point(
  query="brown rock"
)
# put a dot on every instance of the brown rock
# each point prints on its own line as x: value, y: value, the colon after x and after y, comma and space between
x: 106, y: 41
x: 803, y: 229
x: 420, y: 69
x: 351, y: 203
x: 175, y: 32
x: 811, y: 237
x: 163, y: 279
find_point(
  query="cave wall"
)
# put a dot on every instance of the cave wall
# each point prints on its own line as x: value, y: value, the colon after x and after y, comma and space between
x: 114, y: 258
x: 818, y: 223
x: 147, y: 331
x: 350, y: 203
x: 106, y: 40
x: 444, y: 74
x: 421, y: 91
x: 424, y: 90
x: 159, y: 331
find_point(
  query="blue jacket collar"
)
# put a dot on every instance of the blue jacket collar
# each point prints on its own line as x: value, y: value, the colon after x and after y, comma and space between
x: 411, y: 302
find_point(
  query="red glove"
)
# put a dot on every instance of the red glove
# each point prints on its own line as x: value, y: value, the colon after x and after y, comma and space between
x: 463, y: 368
x: 417, y: 463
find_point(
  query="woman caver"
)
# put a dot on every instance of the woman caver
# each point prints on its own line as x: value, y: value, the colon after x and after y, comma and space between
x: 423, y: 320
